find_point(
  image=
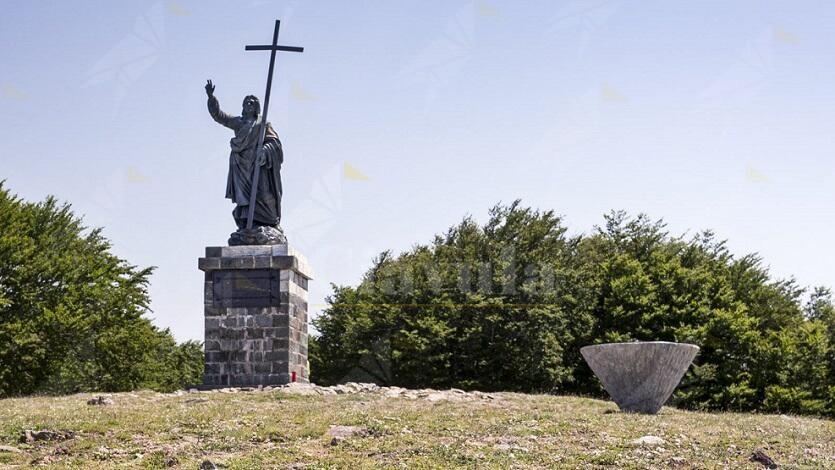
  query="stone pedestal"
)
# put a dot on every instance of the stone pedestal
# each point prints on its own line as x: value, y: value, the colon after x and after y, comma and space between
x: 256, y: 315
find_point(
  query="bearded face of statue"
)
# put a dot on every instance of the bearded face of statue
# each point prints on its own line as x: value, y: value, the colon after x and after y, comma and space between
x: 251, y: 107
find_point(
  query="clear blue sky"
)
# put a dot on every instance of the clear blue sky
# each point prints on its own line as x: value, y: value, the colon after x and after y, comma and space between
x: 710, y: 114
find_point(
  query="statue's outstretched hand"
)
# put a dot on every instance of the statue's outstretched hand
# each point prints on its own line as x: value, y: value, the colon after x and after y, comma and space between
x: 262, y: 157
x: 210, y: 88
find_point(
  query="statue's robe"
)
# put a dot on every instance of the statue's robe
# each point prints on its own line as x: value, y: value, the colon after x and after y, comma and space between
x: 241, y: 165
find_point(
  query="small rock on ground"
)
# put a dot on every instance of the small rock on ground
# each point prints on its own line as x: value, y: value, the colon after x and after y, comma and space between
x: 100, y: 400
x: 28, y: 436
x: 299, y: 388
x: 340, y: 433
x: 651, y: 441
x: 428, y: 394
x: 675, y: 461
x: 510, y: 447
x: 766, y: 461
x: 13, y: 450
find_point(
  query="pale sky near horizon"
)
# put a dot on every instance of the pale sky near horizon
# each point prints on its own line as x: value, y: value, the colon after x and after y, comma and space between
x: 711, y: 115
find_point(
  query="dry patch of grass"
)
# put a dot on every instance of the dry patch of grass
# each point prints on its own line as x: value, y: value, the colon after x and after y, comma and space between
x: 277, y: 429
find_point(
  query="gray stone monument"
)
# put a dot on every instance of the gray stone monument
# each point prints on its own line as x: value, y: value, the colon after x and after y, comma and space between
x: 255, y: 290
x: 640, y: 376
x: 255, y: 316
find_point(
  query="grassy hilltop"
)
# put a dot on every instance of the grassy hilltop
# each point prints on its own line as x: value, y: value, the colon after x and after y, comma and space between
x: 392, y: 428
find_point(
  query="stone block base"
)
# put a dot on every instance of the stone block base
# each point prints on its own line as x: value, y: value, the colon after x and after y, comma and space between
x: 255, y: 316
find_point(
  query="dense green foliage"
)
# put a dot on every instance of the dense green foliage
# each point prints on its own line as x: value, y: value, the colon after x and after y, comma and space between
x: 71, y: 312
x: 507, y: 306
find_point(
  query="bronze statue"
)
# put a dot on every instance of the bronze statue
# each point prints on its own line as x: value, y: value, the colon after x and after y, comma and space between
x: 265, y: 229
x: 255, y: 192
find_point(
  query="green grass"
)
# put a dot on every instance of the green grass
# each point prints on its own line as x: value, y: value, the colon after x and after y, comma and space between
x: 253, y: 430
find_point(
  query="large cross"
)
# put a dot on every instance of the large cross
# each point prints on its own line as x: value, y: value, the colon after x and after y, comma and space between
x: 273, y: 48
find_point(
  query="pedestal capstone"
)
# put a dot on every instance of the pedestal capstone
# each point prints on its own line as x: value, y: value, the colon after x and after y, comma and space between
x: 640, y: 376
x: 255, y: 304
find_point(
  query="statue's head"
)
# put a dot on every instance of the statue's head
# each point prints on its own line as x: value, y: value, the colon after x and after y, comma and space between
x: 251, y: 107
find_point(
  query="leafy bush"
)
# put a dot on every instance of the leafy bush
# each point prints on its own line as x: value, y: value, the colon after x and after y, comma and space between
x: 71, y: 312
x: 507, y: 306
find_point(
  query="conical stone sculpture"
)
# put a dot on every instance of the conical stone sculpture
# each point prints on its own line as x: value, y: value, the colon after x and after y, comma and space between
x: 640, y: 376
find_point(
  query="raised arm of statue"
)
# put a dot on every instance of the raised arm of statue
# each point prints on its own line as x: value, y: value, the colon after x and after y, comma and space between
x: 217, y: 114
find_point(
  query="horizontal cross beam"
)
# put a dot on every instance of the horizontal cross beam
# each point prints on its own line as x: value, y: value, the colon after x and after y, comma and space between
x: 274, y: 48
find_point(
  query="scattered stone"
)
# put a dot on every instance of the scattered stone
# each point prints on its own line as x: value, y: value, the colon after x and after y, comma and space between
x: 208, y: 465
x: 349, y: 388
x: 340, y: 433
x: 44, y: 460
x: 276, y: 437
x: 171, y: 461
x: 10, y: 449
x: 100, y: 400
x: 676, y: 461
x: 648, y: 441
x: 437, y: 396
x: 766, y: 461
x: 393, y: 392
x: 29, y: 436
x: 297, y: 388
x: 61, y: 451
x: 510, y: 447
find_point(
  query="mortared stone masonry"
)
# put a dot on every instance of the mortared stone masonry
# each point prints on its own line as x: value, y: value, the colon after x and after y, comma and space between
x: 256, y: 316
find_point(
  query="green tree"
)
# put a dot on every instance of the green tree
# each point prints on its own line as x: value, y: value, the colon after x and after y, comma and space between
x: 508, y: 305
x: 481, y: 307
x: 71, y: 312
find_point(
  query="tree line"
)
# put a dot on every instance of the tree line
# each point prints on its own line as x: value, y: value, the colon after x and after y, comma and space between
x: 507, y: 305
x: 71, y: 313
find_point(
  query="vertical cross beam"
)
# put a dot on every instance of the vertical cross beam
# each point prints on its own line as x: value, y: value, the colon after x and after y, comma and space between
x: 273, y: 48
